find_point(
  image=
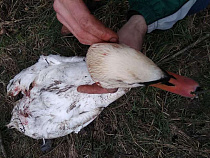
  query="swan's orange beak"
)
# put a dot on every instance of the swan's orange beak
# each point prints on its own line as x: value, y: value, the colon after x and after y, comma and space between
x: 179, y: 85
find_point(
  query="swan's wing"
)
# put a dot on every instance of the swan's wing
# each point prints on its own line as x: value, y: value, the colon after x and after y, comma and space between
x: 58, y: 110
x: 54, y: 108
x: 24, y: 80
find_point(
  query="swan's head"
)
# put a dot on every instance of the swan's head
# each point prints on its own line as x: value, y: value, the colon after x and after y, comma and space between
x: 114, y: 65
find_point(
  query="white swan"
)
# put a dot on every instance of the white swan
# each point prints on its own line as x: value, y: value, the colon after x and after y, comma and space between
x: 52, y: 107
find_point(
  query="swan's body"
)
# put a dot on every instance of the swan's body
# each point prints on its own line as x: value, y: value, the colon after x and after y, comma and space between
x: 52, y: 107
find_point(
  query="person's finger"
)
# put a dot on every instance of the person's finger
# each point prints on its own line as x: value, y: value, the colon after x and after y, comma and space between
x: 96, y: 28
x: 64, y: 15
x: 65, y: 30
x: 63, y: 21
x: 83, y: 36
x: 85, y: 27
x: 89, y: 23
x: 94, y: 89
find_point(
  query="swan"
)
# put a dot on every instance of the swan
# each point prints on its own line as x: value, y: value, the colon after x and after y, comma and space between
x: 52, y: 105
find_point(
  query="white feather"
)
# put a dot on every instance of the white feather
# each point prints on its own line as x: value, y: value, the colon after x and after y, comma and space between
x: 52, y: 107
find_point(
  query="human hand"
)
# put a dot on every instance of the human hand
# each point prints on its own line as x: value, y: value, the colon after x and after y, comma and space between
x: 76, y: 17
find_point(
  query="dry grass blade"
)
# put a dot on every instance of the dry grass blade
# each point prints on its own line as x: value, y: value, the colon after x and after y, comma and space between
x: 186, y: 48
x: 2, y: 147
x: 72, y: 148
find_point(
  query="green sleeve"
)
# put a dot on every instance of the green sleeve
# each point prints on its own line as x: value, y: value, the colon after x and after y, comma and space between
x: 153, y: 10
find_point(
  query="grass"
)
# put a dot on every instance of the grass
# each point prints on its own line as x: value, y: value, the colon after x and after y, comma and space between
x: 146, y: 122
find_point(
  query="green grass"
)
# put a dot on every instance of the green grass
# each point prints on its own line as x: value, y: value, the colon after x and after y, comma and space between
x: 146, y: 122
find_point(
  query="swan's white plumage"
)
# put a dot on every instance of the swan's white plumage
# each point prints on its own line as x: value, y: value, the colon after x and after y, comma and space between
x: 51, y: 106
x: 117, y: 65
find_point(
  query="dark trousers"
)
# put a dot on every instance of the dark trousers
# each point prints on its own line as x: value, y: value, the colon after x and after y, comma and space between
x: 198, y: 6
